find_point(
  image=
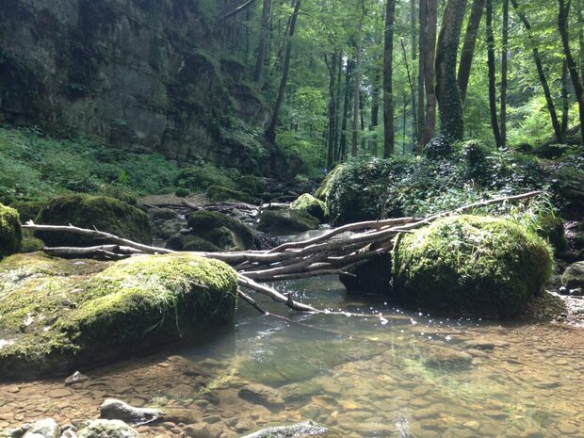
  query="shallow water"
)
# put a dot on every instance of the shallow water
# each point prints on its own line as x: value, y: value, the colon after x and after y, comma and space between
x: 398, y: 375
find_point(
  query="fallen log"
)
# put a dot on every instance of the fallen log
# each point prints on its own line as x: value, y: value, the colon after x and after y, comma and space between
x: 329, y: 254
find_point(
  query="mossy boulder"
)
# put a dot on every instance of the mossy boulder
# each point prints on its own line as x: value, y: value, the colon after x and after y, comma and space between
x: 59, y: 315
x: 287, y: 221
x: 190, y: 242
x: 573, y: 277
x: 552, y: 228
x: 252, y: 185
x: 325, y: 186
x: 10, y: 232
x: 99, y: 212
x: 471, y: 265
x: 222, y: 231
x: 220, y: 194
x: 28, y: 210
x: 311, y: 205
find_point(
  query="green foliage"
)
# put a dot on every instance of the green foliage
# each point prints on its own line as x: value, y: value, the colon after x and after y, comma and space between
x: 33, y: 166
x: 469, y: 264
x: 182, y: 192
x: 200, y: 178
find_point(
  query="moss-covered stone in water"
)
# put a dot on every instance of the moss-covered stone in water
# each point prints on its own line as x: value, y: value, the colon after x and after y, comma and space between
x: 99, y: 212
x: 311, y: 205
x: 574, y: 276
x: 10, y: 232
x: 252, y: 185
x: 220, y: 193
x: 552, y: 229
x: 287, y: 221
x: 325, y: 186
x: 221, y: 230
x: 474, y: 265
x: 189, y: 242
x: 58, y: 315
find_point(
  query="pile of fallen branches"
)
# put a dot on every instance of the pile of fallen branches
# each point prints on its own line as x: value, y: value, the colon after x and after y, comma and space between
x: 331, y: 253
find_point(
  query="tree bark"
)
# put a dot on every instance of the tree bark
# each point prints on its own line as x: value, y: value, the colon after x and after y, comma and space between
x: 541, y: 74
x: 345, y: 121
x: 332, y: 112
x: 430, y: 70
x: 504, y: 72
x: 388, y: 106
x: 357, y: 92
x: 470, y: 39
x: 263, y: 42
x: 447, y: 92
x: 414, y: 55
x: 492, y: 78
x: 565, y: 99
x: 375, y: 105
x: 572, y: 66
x: 271, y: 131
x: 423, y: 19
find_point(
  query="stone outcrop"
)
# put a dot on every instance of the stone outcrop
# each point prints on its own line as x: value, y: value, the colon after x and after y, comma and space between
x: 139, y: 74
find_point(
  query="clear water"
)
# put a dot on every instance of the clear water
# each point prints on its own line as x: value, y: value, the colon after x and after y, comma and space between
x: 405, y: 374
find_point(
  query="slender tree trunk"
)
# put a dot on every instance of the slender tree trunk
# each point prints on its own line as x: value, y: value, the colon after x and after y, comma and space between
x: 263, y: 42
x: 271, y: 131
x: 389, y: 135
x: 470, y: 40
x: 541, y: 74
x: 414, y: 56
x: 429, y: 70
x: 492, y: 76
x: 572, y: 66
x: 447, y: 92
x: 338, y: 103
x: 565, y: 99
x: 345, y: 123
x: 357, y: 93
x: 412, y: 89
x: 580, y: 12
x: 504, y: 72
x: 423, y: 19
x: 332, y: 113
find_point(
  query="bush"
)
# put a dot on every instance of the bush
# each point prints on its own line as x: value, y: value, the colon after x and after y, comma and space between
x: 471, y: 265
x: 182, y: 193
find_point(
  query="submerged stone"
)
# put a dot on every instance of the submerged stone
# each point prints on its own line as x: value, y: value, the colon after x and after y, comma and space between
x: 10, y: 232
x: 293, y: 431
x: 107, y: 429
x: 93, y: 212
x: 60, y: 315
x: 472, y: 265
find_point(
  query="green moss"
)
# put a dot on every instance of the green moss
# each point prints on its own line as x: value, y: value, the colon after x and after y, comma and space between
x: 311, y: 205
x: 469, y: 264
x: 189, y: 242
x: 287, y: 221
x: 202, y: 177
x: 252, y: 185
x: 551, y: 228
x: 28, y: 210
x: 574, y: 276
x: 220, y: 193
x: 10, y: 232
x: 325, y: 186
x: 119, y: 193
x: 99, y: 212
x: 221, y: 231
x: 31, y: 244
x: 58, y: 315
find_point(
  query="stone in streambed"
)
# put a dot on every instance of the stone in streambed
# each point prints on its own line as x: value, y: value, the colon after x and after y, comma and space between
x: 57, y: 314
x: 287, y: 221
x: 296, y: 430
x: 261, y: 394
x: 107, y: 429
x: 47, y: 428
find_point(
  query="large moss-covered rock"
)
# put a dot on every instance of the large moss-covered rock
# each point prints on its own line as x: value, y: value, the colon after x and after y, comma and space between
x: 552, y: 228
x: 470, y: 264
x: 190, y: 242
x: 287, y: 221
x: 221, y: 230
x: 99, y: 212
x: 311, y: 205
x: 59, y: 315
x: 325, y: 186
x: 28, y: 210
x: 10, y: 232
x: 573, y: 277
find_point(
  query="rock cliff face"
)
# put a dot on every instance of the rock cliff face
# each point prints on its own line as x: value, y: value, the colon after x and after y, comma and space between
x: 143, y: 74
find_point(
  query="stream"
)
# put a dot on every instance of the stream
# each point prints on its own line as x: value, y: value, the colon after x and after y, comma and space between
x: 396, y: 373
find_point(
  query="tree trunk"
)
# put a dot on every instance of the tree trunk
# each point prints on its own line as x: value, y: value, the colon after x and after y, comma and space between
x: 271, y: 131
x: 541, y: 74
x: 423, y: 19
x: 572, y: 66
x: 263, y: 43
x: 429, y: 70
x: 565, y: 99
x: 345, y: 123
x: 338, y: 102
x: 504, y: 73
x: 470, y: 39
x: 447, y: 92
x: 389, y: 135
x: 580, y: 12
x: 414, y: 54
x: 357, y: 98
x: 332, y: 112
x: 492, y: 78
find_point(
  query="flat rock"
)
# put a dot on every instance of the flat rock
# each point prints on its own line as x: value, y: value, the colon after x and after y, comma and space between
x: 261, y: 394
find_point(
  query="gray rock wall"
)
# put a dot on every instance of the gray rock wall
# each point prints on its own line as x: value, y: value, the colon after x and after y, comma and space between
x: 135, y: 73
